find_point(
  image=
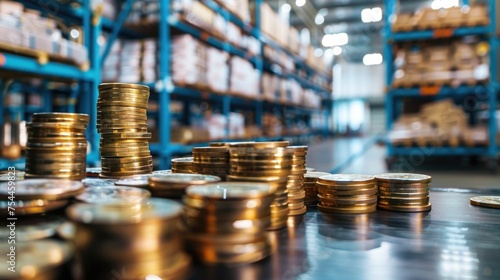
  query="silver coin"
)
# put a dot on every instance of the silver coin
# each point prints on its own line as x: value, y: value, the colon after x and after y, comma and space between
x: 114, y: 195
x: 403, y: 178
x: 168, y: 171
x: 95, y: 182
x: 134, y: 181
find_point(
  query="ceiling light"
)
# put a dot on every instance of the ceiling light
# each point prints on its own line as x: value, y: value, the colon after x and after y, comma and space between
x: 74, y: 33
x: 319, y: 19
x: 332, y: 40
x: 337, y: 50
x: 300, y: 3
x: 373, y: 59
x: 286, y: 8
x: 371, y: 15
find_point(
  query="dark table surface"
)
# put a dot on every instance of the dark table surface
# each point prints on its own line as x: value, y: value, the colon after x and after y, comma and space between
x: 453, y: 241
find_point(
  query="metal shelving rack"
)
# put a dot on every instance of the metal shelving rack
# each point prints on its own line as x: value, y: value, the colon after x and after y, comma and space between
x: 394, y: 96
x: 87, y: 79
x: 166, y: 90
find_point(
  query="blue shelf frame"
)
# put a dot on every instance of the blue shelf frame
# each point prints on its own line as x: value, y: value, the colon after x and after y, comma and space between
x: 87, y: 79
x: 490, y: 89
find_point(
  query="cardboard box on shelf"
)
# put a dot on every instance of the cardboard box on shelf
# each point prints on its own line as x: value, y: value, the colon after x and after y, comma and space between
x: 11, y: 8
x: 403, y: 22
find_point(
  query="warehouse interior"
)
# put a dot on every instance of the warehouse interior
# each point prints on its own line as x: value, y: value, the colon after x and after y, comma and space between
x: 392, y: 102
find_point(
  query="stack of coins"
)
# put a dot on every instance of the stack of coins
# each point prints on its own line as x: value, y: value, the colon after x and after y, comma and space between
x: 122, y: 123
x: 56, y: 147
x: 227, y: 222
x: 295, y: 185
x: 130, y: 242
x: 403, y: 192
x: 39, y: 259
x: 265, y: 162
x: 310, y: 179
x: 211, y: 161
x: 347, y: 193
x: 36, y: 196
x: 182, y: 165
x: 116, y: 195
x: 174, y: 185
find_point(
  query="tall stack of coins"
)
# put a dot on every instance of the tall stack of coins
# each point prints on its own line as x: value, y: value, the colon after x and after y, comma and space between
x: 174, y: 185
x: 403, y: 192
x: 122, y: 123
x: 39, y: 259
x: 227, y: 221
x: 138, y: 241
x: 56, y: 146
x: 295, y: 185
x: 264, y: 162
x: 211, y: 161
x: 310, y: 189
x: 37, y: 196
x: 182, y: 165
x: 347, y: 193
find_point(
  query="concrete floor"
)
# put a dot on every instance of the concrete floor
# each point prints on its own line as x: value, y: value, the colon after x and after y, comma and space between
x: 358, y: 155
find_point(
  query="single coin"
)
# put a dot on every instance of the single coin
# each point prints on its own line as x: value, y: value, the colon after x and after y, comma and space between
x: 346, y: 179
x: 179, y: 178
x: 135, y: 181
x: 486, y: 201
x: 152, y: 209
x: 31, y: 207
x: 42, y: 189
x: 403, y: 178
x: 230, y: 190
x: 105, y: 86
x: 420, y: 208
x: 114, y: 195
x: 96, y: 182
x: 161, y: 172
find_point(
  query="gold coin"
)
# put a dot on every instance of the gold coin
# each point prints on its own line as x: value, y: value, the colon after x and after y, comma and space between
x: 326, y: 191
x: 422, y: 208
x: 210, y: 149
x: 59, y: 125
x: 60, y: 117
x: 127, y: 136
x: 228, y: 144
x: 256, y: 152
x: 262, y: 145
x: 353, y: 210
x: 120, y: 175
x: 127, y: 160
x: 401, y: 178
x: 267, y: 179
x: 486, y: 201
x: 182, y: 160
x: 43, y: 189
x: 346, y: 179
x: 105, y: 86
x: 327, y: 187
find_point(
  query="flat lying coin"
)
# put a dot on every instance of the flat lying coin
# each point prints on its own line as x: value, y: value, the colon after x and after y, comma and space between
x: 486, y: 201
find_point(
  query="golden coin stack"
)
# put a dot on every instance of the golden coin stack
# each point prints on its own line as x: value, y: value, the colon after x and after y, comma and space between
x: 182, y: 165
x: 264, y: 162
x: 347, y: 193
x: 38, y: 259
x: 211, y: 161
x: 310, y: 179
x: 174, y: 185
x: 295, y: 185
x: 135, y: 241
x: 404, y: 192
x: 56, y: 147
x: 36, y: 196
x: 227, y: 222
x: 122, y: 123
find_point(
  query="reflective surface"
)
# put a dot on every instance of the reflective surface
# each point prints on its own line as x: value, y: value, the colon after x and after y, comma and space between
x: 454, y: 241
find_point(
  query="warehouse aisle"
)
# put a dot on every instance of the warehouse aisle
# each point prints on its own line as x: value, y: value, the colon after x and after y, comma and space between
x: 347, y: 156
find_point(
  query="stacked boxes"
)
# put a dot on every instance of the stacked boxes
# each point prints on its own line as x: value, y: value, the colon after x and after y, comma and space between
x: 26, y: 30
x: 244, y: 78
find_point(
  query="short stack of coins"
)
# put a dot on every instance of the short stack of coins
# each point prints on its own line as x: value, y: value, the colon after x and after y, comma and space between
x: 182, y: 165
x: 310, y: 179
x: 174, y: 185
x: 347, y: 194
x: 56, y: 147
x: 227, y: 222
x: 404, y: 192
x: 138, y: 240
x: 295, y: 185
x: 211, y: 161
x: 36, y: 259
x: 37, y: 196
x: 264, y: 162
x: 122, y: 123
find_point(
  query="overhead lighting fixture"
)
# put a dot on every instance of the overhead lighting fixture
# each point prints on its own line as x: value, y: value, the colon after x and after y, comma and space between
x: 444, y: 4
x: 337, y: 51
x: 332, y: 40
x: 371, y: 15
x: 286, y: 8
x: 74, y: 33
x: 318, y: 52
x: 319, y: 19
x: 373, y: 59
x: 300, y: 3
